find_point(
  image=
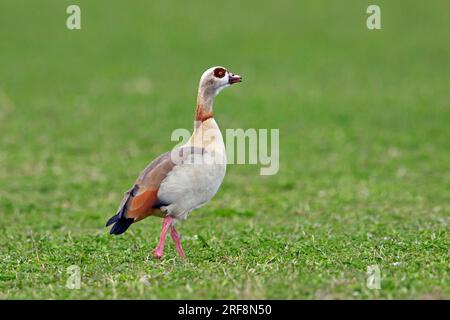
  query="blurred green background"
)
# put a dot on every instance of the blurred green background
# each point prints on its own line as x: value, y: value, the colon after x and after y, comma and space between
x: 364, y: 162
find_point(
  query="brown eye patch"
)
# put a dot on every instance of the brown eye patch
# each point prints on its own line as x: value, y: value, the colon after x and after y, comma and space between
x: 219, y: 72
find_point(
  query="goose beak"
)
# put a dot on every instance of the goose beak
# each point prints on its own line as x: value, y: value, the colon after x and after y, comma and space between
x: 234, y: 78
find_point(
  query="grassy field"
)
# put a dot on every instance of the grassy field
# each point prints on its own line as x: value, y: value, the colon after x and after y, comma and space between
x: 364, y: 119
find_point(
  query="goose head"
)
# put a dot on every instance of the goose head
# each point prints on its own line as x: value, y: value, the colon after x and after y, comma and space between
x: 214, y: 80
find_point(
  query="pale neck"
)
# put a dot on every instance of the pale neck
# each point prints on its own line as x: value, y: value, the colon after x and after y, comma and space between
x: 204, y: 106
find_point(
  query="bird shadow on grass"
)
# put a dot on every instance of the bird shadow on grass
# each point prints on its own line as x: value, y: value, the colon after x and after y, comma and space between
x: 229, y: 212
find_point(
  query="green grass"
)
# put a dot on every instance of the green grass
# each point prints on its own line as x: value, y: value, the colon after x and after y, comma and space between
x: 364, y: 162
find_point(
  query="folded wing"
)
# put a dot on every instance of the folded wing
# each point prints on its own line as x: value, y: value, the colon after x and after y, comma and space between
x: 142, y: 200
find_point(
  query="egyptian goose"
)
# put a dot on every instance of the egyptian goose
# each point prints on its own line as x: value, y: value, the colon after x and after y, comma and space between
x: 183, y: 179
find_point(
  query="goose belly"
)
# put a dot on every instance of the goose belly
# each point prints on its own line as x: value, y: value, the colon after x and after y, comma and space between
x: 190, y: 185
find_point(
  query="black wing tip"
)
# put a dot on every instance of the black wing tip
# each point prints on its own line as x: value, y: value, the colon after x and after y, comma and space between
x: 112, y: 220
x: 121, y: 213
x: 121, y: 226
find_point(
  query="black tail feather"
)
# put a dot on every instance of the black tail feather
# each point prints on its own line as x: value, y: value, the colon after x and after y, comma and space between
x: 121, y: 225
x: 121, y: 222
x: 113, y: 219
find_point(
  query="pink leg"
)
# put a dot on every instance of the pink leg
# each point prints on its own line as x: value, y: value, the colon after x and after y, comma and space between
x: 176, y: 239
x: 158, y: 251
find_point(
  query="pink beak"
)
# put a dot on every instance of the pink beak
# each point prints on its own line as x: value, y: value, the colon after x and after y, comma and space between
x: 234, y: 78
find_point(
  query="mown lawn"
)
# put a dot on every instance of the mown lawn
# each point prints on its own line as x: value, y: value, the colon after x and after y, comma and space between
x: 364, y: 121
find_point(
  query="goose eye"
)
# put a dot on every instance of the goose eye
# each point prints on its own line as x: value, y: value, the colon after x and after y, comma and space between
x: 219, y: 72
